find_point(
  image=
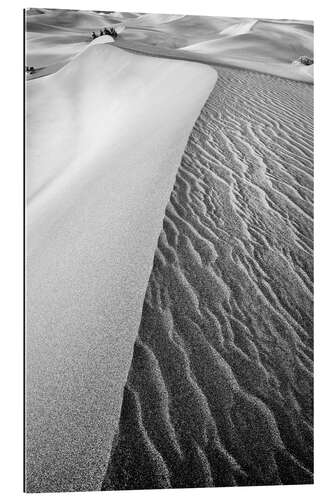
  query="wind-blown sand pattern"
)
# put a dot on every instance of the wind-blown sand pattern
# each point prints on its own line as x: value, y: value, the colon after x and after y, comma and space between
x: 220, y: 388
x: 168, y: 338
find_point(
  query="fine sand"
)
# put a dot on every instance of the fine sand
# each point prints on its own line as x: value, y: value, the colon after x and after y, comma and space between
x: 211, y: 286
x: 105, y: 136
x: 220, y: 388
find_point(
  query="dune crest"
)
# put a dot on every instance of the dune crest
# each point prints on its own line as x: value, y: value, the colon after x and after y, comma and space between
x: 105, y: 138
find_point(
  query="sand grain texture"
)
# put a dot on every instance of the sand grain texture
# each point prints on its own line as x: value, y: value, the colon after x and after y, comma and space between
x: 220, y: 388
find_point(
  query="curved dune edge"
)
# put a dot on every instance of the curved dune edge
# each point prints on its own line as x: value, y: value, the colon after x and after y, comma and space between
x: 105, y: 138
x: 220, y: 388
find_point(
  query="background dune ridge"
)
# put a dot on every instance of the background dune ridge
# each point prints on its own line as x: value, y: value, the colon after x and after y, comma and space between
x: 267, y: 45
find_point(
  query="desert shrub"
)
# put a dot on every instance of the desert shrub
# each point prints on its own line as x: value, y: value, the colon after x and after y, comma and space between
x: 106, y: 31
x: 113, y: 33
x: 306, y: 60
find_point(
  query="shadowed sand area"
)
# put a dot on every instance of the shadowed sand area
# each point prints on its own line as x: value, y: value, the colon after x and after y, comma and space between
x: 219, y: 391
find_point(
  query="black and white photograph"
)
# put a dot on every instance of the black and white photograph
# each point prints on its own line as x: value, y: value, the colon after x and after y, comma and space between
x: 168, y: 200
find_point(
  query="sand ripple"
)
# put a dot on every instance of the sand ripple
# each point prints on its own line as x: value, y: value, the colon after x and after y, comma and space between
x: 220, y: 387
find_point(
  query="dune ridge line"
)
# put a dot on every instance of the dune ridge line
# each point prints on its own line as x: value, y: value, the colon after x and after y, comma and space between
x: 105, y: 138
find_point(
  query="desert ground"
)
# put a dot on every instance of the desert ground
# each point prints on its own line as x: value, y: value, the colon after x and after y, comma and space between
x: 169, y: 251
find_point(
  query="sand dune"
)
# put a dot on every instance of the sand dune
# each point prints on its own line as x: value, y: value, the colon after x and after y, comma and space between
x: 220, y: 387
x: 150, y: 20
x: 239, y: 28
x: 269, y: 46
x: 55, y: 36
x: 218, y: 390
x: 266, y: 46
x: 70, y: 19
x: 97, y: 188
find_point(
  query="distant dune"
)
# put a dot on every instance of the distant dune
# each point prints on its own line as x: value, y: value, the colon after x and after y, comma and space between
x: 55, y: 36
x: 239, y: 28
x: 269, y: 46
x: 105, y: 135
x: 150, y: 20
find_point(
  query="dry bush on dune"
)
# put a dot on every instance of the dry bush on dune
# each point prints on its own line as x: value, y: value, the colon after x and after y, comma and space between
x: 306, y: 60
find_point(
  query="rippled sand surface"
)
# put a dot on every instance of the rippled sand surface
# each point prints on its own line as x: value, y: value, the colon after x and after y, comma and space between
x: 220, y: 387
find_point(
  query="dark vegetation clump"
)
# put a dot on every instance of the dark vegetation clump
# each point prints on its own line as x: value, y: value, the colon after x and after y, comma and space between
x: 306, y: 60
x: 106, y: 31
x: 29, y: 69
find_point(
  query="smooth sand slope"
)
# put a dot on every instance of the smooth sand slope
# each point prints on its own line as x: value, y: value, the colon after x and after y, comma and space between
x: 220, y: 387
x: 105, y: 136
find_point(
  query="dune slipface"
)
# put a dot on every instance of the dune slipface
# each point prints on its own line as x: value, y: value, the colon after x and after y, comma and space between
x: 220, y: 387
